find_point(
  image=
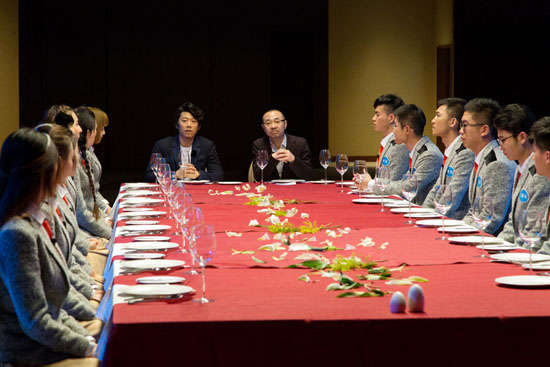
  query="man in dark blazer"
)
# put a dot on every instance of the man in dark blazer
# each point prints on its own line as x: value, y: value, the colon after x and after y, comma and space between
x: 289, y: 156
x: 192, y: 157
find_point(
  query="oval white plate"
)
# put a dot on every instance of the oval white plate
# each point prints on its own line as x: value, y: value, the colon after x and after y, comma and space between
x: 195, y: 182
x: 367, y: 201
x: 502, y: 247
x: 136, y: 210
x: 543, y: 265
x: 157, y: 290
x: 132, y: 222
x: 422, y: 215
x: 475, y: 240
x: 151, y: 238
x: 458, y: 229
x: 323, y: 182
x: 147, y: 246
x: 284, y: 180
x: 160, y: 279
x: 346, y: 183
x: 139, y: 193
x: 145, y: 227
x: 524, y: 281
x: 139, y: 185
x: 229, y: 182
x: 413, y: 210
x: 153, y: 263
x: 520, y: 257
x: 141, y: 200
x: 145, y: 255
x: 140, y: 213
x: 439, y: 222
x: 397, y: 204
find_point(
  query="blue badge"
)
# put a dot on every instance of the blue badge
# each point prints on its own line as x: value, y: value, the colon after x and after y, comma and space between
x: 479, y: 182
x: 385, y: 161
x: 450, y: 172
x: 523, y: 196
x: 413, y: 171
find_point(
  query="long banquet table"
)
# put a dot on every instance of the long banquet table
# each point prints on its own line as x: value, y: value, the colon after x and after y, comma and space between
x: 264, y: 315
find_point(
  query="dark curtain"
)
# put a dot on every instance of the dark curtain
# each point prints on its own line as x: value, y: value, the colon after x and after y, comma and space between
x: 139, y: 63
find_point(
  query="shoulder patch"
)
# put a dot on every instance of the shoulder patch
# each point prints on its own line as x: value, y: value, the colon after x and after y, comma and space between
x: 460, y: 148
x: 533, y: 170
x: 491, y: 157
x: 422, y: 150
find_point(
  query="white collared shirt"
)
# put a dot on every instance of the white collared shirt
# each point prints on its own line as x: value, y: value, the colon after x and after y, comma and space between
x: 274, y: 149
x: 386, y: 139
x: 481, y: 153
x: 453, y: 146
x: 62, y: 191
x: 185, y: 154
x: 522, y: 167
x: 411, y: 153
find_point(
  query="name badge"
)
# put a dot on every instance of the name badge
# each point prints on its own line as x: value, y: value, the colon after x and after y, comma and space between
x: 479, y: 182
x: 523, y: 196
x: 385, y: 161
x: 413, y: 170
x: 450, y: 172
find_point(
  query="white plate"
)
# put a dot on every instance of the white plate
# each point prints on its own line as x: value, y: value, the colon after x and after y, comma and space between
x: 413, y: 210
x: 139, y: 193
x: 372, y: 196
x: 153, y: 263
x: 360, y: 192
x: 196, y: 182
x: 346, y: 183
x: 284, y: 181
x: 458, y: 229
x: 147, y: 246
x: 136, y: 210
x: 141, y: 200
x: 145, y: 255
x: 502, y: 247
x: 520, y: 257
x: 322, y: 182
x: 397, y: 204
x: 144, y: 227
x: 439, y: 222
x: 140, y: 213
x: 131, y: 222
x: 160, y: 279
x: 151, y: 238
x: 524, y: 281
x: 422, y: 215
x: 475, y: 240
x: 377, y: 200
x: 543, y: 265
x: 157, y: 290
x: 229, y: 182
x: 138, y: 185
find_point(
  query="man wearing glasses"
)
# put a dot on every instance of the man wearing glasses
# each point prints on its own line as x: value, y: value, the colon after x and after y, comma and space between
x: 458, y: 161
x: 190, y: 155
x: 540, y: 132
x: 289, y: 155
x: 493, y: 174
x: 531, y: 191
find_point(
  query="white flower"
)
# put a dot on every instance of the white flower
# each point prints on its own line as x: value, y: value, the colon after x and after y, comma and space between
x: 327, y: 242
x: 265, y: 237
x: 278, y: 204
x: 272, y: 247
x: 312, y: 239
x: 304, y: 215
x: 237, y: 188
x: 260, y: 188
x: 253, y: 223
x: 229, y: 192
x: 384, y: 245
x: 345, y: 230
x: 331, y: 233
x: 233, y: 234
x: 273, y: 219
x: 366, y: 242
x: 308, y: 256
x: 299, y: 246
x: 246, y: 187
x: 279, y: 237
x: 349, y: 247
x: 291, y: 212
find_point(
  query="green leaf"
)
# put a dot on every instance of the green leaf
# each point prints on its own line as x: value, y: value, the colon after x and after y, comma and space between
x: 241, y: 252
x: 257, y: 260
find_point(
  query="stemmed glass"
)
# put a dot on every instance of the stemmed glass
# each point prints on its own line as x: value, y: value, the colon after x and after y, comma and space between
x: 192, y: 216
x: 261, y: 161
x: 181, y: 200
x: 324, y: 160
x: 443, y: 201
x: 359, y: 169
x: 409, y: 186
x: 482, y: 213
x: 153, y: 162
x: 381, y: 180
x: 164, y: 176
x: 202, y: 248
x: 531, y: 225
x: 342, y: 167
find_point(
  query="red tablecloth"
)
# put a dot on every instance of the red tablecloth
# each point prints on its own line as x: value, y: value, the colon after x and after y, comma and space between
x: 264, y: 315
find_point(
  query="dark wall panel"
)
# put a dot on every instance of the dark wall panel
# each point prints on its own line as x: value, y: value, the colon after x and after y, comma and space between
x: 139, y: 63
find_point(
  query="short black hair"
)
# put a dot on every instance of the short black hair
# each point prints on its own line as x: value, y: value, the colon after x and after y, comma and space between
x: 391, y: 101
x: 484, y: 111
x: 413, y: 116
x: 455, y: 107
x: 197, y: 112
x: 540, y: 133
x: 64, y: 119
x: 515, y: 118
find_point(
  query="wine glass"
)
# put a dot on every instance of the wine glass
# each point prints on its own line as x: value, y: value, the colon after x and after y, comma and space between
x: 342, y: 167
x: 153, y: 162
x: 202, y: 248
x: 324, y: 160
x: 531, y: 226
x: 164, y: 175
x: 443, y: 201
x: 381, y: 180
x: 359, y: 170
x: 409, y: 186
x: 192, y: 216
x: 261, y: 161
x: 482, y: 213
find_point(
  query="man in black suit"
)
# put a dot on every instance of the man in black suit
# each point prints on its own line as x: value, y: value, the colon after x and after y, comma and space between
x: 289, y: 156
x: 191, y: 156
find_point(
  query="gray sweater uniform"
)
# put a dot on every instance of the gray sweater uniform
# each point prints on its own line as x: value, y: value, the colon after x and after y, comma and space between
x: 97, y: 170
x: 495, y: 178
x: 545, y: 240
x: 396, y: 157
x: 455, y: 173
x: 34, y: 283
x: 531, y: 191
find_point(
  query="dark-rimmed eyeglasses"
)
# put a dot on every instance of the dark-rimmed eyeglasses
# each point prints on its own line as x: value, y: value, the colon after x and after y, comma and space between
x: 501, y: 141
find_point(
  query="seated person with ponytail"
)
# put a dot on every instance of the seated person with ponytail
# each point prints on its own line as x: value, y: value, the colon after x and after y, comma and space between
x: 90, y: 218
x: 102, y: 120
x: 34, y: 280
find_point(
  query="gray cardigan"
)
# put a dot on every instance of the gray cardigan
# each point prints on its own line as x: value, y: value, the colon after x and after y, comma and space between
x: 97, y: 170
x: 33, y: 286
x: 395, y: 156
